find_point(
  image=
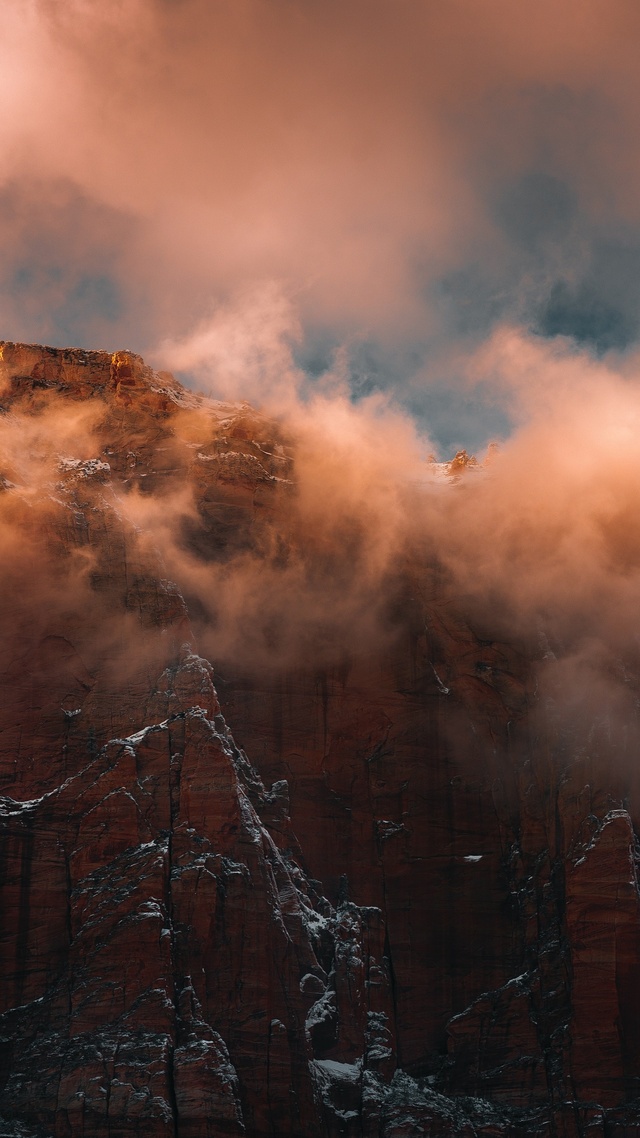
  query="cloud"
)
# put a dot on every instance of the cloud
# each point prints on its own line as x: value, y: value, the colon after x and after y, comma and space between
x: 411, y: 176
x: 245, y: 346
x: 311, y: 537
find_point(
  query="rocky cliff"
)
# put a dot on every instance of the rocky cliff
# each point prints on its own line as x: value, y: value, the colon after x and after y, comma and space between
x: 362, y: 888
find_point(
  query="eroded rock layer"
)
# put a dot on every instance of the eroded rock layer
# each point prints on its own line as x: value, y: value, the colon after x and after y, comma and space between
x: 385, y: 903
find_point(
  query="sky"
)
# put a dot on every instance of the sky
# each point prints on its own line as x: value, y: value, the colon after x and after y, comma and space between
x: 273, y: 198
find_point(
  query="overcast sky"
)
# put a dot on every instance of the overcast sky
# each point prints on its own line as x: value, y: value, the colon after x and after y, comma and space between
x: 362, y: 191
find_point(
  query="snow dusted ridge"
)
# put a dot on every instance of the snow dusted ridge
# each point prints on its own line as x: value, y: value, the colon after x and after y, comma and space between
x: 170, y: 838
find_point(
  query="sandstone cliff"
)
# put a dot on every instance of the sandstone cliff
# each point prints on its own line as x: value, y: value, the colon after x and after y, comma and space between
x: 362, y: 892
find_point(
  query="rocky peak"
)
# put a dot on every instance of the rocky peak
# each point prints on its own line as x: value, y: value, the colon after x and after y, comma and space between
x: 26, y: 369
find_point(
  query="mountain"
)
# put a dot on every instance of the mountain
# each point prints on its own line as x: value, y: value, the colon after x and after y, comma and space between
x: 293, y: 842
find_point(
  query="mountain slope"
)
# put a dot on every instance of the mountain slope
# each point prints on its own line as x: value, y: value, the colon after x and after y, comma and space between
x: 390, y: 900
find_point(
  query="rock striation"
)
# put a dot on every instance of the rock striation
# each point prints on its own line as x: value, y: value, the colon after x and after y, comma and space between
x: 363, y: 895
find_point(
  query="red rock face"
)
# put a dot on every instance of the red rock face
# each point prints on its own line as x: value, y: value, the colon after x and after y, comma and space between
x: 376, y: 904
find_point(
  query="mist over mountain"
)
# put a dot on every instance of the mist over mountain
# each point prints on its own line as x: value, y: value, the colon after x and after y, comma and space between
x: 318, y: 763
